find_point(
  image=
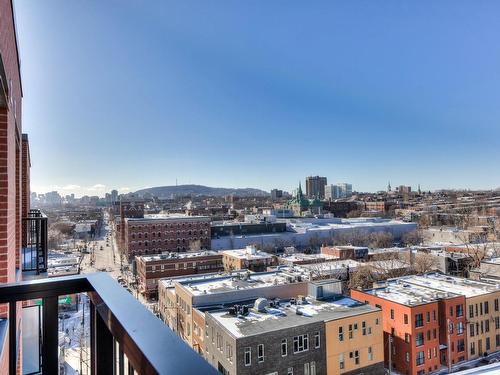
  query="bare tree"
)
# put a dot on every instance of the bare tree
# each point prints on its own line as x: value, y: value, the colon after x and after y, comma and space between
x: 362, y: 278
x: 425, y: 262
x: 412, y: 238
x: 381, y: 240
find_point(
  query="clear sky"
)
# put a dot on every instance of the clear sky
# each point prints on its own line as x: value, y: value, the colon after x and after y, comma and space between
x: 129, y: 94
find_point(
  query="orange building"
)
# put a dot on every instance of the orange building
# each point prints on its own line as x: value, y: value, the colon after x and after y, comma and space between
x: 415, y: 322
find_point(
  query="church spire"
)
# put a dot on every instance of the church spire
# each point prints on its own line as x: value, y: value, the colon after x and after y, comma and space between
x: 389, y: 186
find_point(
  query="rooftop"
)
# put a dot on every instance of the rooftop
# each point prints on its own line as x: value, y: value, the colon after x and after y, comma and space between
x: 250, y: 252
x: 404, y: 293
x: 458, y: 285
x: 174, y: 255
x: 284, y: 314
x: 167, y: 217
x: 239, y: 281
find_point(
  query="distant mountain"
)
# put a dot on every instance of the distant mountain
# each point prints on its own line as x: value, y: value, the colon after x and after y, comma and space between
x: 183, y: 190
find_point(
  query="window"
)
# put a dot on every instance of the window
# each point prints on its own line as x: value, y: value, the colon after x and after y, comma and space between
x: 248, y: 356
x: 496, y: 304
x: 260, y: 353
x: 429, y: 335
x: 460, y: 328
x: 306, y: 368
x: 429, y: 354
x: 289, y: 371
x: 376, y: 321
x: 451, y: 310
x: 471, y: 311
x: 497, y: 322
x: 284, y: 348
x: 434, y: 315
x: 392, y: 313
x: 407, y: 357
x: 316, y: 340
x: 370, y: 353
x: 420, y: 359
x: 407, y: 337
x: 459, y: 310
x: 313, y: 368
x: 428, y: 317
x: 363, y: 328
x: 229, y: 353
x: 342, y: 363
x: 487, y: 325
x: 434, y: 334
x: 419, y: 339
x: 472, y: 348
x: 497, y: 337
x: 341, y: 334
x: 471, y: 330
x: 350, y: 331
x: 435, y: 352
x: 300, y: 343
x: 406, y: 318
x: 486, y: 307
x: 460, y: 345
x: 419, y: 320
x: 488, y: 345
x: 356, y: 357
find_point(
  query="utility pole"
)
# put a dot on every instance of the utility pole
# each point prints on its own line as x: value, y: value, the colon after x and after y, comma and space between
x: 450, y: 327
x: 390, y: 354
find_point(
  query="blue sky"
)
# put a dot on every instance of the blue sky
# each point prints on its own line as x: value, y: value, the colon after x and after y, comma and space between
x: 128, y: 94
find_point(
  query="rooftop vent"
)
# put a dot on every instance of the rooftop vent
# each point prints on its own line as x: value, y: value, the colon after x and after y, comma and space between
x: 261, y: 304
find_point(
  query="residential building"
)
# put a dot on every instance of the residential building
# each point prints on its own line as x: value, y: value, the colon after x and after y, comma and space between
x: 248, y: 258
x: 345, y: 252
x: 344, y: 190
x: 481, y: 309
x: 151, y: 268
x: 155, y: 234
x: 416, y: 320
x: 178, y: 298
x: 276, y: 194
x: 315, y: 187
x: 298, y: 336
x: 332, y: 192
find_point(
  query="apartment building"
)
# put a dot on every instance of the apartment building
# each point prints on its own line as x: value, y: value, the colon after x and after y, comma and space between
x: 178, y: 298
x: 248, y: 258
x: 315, y: 187
x: 416, y: 323
x: 151, y: 268
x: 298, y: 336
x: 482, y: 310
x: 154, y: 234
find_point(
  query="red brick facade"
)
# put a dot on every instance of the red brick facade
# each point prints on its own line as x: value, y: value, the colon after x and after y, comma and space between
x: 152, y: 268
x: 10, y: 158
x: 157, y: 235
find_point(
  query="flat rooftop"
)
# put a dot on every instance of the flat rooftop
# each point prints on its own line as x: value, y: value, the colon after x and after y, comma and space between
x: 168, y: 217
x: 248, y: 253
x: 174, y: 255
x: 407, y: 294
x: 285, y: 315
x: 457, y: 285
x: 242, y: 281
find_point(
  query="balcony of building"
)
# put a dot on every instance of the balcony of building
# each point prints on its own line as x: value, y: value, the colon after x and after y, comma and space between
x: 124, y: 337
x: 34, y: 243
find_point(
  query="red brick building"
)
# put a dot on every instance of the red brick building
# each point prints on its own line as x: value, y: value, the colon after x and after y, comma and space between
x: 14, y: 163
x: 416, y: 320
x: 156, y: 234
x: 151, y: 268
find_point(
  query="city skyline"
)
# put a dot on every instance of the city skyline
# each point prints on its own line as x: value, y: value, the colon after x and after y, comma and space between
x: 353, y: 91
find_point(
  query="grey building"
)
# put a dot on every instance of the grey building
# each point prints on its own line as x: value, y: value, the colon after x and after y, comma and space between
x: 315, y: 187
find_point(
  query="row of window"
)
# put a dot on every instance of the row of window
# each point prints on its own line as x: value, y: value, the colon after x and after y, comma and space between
x: 365, y: 329
x: 169, y: 226
x: 482, y: 308
x: 300, y: 344
x: 154, y: 243
x: 354, y: 355
x: 179, y: 233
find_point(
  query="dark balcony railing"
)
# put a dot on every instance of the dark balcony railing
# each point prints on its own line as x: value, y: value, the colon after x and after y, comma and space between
x: 120, y: 327
x: 34, y: 242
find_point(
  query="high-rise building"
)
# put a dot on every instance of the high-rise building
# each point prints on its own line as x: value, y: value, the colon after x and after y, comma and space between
x: 345, y: 190
x: 331, y: 192
x: 315, y: 187
x: 276, y: 194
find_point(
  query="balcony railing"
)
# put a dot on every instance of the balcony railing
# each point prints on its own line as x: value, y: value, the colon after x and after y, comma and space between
x: 34, y: 242
x: 120, y: 327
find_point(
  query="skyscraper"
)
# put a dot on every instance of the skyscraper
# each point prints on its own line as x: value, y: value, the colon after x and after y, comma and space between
x: 315, y: 186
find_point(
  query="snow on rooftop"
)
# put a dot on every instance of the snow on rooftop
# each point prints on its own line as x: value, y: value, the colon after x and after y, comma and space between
x: 250, y: 252
x: 286, y: 315
x: 175, y: 255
